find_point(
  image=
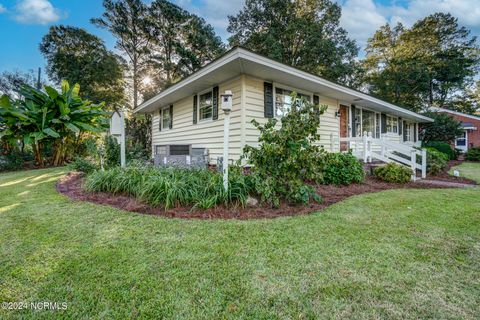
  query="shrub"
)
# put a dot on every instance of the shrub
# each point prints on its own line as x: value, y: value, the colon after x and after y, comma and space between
x: 473, y: 154
x: 171, y: 187
x: 342, y: 168
x: 287, y: 155
x: 394, y: 173
x: 15, y: 160
x: 444, y: 148
x: 112, y: 152
x: 436, y: 161
x: 83, y: 165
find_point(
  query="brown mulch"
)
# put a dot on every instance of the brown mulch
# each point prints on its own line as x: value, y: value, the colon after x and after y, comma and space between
x: 71, y: 186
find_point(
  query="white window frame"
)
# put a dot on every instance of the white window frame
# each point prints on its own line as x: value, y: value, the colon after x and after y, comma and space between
x: 374, y: 132
x: 198, y: 106
x: 409, y: 127
x: 277, y: 85
x: 162, y: 111
x: 464, y: 147
x: 395, y: 121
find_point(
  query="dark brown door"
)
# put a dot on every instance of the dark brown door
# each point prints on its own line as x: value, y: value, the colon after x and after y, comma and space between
x: 343, y: 127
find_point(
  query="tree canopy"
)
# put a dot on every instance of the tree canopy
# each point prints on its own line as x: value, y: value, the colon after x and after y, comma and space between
x: 302, y: 33
x: 425, y: 65
x: 77, y: 56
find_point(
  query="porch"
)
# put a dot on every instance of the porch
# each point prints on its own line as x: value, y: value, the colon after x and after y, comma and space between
x: 368, y: 149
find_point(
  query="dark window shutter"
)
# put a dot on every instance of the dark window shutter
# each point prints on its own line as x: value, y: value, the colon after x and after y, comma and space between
x: 160, y: 120
x: 354, y: 122
x: 195, y: 106
x: 215, y: 103
x: 170, y: 125
x: 268, y: 99
x: 404, y: 131
x: 384, y: 123
x: 414, y: 132
x: 316, y: 103
x: 400, y: 127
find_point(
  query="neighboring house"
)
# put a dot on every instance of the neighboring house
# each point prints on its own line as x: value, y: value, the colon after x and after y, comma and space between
x: 187, y: 117
x: 471, y: 129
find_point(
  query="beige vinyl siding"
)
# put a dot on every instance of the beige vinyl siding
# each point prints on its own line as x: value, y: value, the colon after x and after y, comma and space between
x: 203, y: 134
x: 255, y: 110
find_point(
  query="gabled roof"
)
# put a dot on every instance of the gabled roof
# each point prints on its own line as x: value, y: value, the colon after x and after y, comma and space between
x: 242, y: 61
x: 455, y: 112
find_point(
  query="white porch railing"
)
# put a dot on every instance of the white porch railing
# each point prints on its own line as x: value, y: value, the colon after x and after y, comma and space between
x: 368, y: 148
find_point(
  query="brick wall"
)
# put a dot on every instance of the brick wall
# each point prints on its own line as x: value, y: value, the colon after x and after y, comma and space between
x: 473, y: 135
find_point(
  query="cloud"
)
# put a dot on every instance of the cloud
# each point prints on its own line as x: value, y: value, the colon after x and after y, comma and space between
x: 215, y: 12
x: 2, y: 8
x: 361, y: 18
x: 36, y: 12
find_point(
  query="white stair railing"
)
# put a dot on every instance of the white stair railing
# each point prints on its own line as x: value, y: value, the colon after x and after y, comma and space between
x: 368, y: 148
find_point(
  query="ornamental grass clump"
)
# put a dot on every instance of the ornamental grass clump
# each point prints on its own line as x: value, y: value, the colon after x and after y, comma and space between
x: 171, y: 187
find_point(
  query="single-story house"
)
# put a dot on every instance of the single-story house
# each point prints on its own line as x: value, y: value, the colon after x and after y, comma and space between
x: 471, y: 129
x: 187, y: 116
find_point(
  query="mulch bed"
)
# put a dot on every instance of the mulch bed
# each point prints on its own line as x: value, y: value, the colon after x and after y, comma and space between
x: 71, y: 186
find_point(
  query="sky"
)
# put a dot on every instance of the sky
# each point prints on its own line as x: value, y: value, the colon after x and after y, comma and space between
x: 24, y: 22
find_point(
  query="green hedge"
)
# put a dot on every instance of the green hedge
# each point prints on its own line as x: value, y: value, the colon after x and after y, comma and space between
x: 436, y: 161
x: 473, y: 154
x: 341, y: 169
x: 444, y: 148
x: 394, y: 173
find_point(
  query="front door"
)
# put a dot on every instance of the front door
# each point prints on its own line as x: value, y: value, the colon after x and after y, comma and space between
x: 343, y: 127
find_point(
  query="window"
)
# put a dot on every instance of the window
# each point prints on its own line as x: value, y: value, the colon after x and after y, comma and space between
x: 368, y: 121
x: 205, y: 108
x: 408, y: 131
x: 461, y: 141
x: 283, y: 101
x: 165, y: 118
x: 392, y: 124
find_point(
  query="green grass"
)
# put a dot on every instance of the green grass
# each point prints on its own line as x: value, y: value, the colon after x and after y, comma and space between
x: 469, y: 170
x: 395, y: 254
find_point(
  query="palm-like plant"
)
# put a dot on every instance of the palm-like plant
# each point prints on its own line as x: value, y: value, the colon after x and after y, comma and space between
x: 51, y: 115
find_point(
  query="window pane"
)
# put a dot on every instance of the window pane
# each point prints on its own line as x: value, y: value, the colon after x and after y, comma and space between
x: 283, y: 101
x: 205, y: 113
x: 205, y: 110
x: 206, y: 99
x: 358, y: 123
x: 165, y: 118
x: 368, y: 121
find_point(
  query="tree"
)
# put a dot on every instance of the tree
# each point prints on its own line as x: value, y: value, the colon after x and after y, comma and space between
x: 444, y: 128
x: 467, y: 101
x: 302, y: 33
x: 12, y: 82
x: 181, y: 42
x: 51, y: 115
x: 126, y: 21
x: 426, y: 65
x: 77, y: 56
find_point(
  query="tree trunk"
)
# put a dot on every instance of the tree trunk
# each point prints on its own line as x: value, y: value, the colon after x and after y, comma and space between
x: 135, y: 83
x: 37, y: 150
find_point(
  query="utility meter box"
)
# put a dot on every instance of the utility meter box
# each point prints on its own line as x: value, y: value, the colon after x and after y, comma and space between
x: 227, y: 98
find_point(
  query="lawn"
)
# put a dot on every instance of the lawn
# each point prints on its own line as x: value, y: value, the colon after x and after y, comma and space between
x: 469, y: 170
x: 395, y: 254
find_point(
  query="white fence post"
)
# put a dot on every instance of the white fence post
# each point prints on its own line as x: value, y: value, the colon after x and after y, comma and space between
x: 424, y: 163
x: 365, y: 142
x: 414, y: 164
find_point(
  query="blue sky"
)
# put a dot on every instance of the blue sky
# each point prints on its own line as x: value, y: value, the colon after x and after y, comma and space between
x: 24, y: 22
